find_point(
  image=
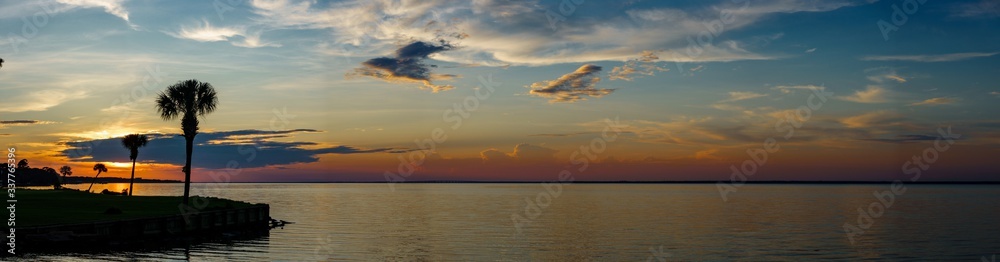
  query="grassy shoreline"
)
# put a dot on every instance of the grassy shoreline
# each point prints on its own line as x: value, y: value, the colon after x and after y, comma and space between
x: 63, y: 207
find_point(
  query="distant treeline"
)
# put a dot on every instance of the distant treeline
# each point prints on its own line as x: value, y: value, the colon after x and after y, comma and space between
x: 31, y: 176
x: 46, y: 176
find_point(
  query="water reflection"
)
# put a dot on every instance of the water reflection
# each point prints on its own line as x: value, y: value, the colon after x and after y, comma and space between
x: 615, y: 222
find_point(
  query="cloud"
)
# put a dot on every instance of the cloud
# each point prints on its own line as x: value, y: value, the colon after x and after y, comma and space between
x: 981, y: 9
x: 215, y: 150
x: 737, y: 96
x: 237, y: 36
x: 995, y: 93
x: 41, y: 100
x: 493, y: 155
x: 571, y: 87
x: 877, y: 118
x: 521, y: 33
x: 207, y: 33
x: 7, y: 123
x: 936, y: 101
x: 884, y: 75
x: 523, y: 153
x: 929, y: 58
x: 790, y: 89
x: 407, y: 65
x: 23, y: 122
x: 562, y: 135
x: 698, y: 131
x: 113, y: 7
x: 906, y: 138
x: 896, y: 78
x: 695, y: 69
x: 707, y: 154
x: 252, y: 40
x: 645, y: 64
x: 810, y: 50
x: 872, y: 94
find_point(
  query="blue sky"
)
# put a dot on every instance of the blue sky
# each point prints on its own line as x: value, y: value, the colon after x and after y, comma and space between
x: 695, y: 83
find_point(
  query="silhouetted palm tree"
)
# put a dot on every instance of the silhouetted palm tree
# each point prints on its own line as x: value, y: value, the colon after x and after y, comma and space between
x: 22, y: 164
x: 187, y: 99
x: 133, y: 142
x: 66, y: 171
x: 99, y: 168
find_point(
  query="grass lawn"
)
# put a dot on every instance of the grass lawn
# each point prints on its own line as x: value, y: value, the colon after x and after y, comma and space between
x: 48, y: 207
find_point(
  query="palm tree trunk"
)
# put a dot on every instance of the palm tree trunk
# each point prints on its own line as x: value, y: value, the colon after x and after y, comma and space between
x: 131, y: 179
x: 187, y: 169
x: 93, y: 181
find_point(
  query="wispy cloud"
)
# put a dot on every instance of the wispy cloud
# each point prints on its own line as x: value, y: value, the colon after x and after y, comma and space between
x: 522, y: 153
x: 252, y: 40
x: 707, y: 154
x: 19, y: 122
x: 884, y: 75
x: 237, y: 36
x: 564, y: 134
x: 790, y: 89
x: 980, y: 9
x: 571, y: 87
x: 936, y: 101
x: 929, y: 58
x: 906, y: 138
x: 6, y: 123
x: 41, y: 100
x: 645, y: 64
x: 25, y: 9
x: 737, y: 96
x: 872, y: 94
x: 876, y: 118
x: 520, y: 32
x: 407, y: 65
x: 810, y: 50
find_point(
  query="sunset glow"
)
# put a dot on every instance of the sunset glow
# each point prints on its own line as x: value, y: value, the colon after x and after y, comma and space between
x: 348, y: 91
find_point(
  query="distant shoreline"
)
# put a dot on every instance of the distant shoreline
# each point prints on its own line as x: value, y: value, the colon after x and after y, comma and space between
x: 104, y: 180
x: 607, y: 182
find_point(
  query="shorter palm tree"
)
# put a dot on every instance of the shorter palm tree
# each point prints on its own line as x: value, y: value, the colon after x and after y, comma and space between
x: 99, y: 167
x: 133, y: 142
x: 66, y: 171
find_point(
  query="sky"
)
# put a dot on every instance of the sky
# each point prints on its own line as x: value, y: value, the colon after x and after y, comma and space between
x: 493, y: 90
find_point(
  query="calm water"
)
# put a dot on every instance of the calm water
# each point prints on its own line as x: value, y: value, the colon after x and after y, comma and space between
x: 595, y: 222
